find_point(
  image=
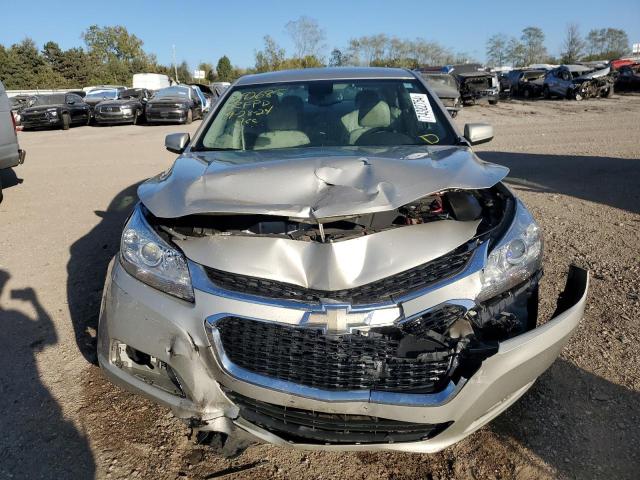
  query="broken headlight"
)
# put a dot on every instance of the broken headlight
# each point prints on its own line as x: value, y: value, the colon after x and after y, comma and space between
x: 146, y: 256
x: 515, y: 258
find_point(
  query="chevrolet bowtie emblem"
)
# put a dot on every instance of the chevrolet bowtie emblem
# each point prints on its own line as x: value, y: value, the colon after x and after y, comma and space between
x: 341, y: 319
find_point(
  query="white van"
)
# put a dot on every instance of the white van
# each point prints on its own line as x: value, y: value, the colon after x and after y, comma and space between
x: 10, y: 152
x: 151, y: 81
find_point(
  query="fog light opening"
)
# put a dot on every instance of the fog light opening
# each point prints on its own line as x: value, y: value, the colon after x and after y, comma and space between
x: 147, y: 368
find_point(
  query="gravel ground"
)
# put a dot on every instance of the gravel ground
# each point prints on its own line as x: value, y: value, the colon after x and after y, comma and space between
x: 575, y: 164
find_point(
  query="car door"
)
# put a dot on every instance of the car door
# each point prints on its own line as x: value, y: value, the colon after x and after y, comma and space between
x: 73, y: 103
x: 197, y: 103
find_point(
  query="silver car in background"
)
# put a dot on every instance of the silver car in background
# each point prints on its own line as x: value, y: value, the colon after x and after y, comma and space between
x: 328, y: 265
x: 11, y: 155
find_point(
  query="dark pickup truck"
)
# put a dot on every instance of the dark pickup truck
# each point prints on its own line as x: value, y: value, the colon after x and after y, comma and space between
x: 59, y: 110
x: 128, y: 107
x: 476, y: 86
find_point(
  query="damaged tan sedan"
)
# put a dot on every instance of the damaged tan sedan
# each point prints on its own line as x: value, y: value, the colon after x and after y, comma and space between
x: 328, y: 265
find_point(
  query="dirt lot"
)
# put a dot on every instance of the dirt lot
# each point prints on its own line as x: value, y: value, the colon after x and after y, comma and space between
x: 577, y: 166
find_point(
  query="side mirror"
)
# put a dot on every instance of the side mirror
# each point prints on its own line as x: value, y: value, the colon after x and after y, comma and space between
x: 476, y: 133
x: 176, y: 142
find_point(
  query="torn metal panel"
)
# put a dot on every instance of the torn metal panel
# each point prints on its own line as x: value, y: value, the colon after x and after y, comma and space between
x: 596, y: 74
x: 330, y: 266
x: 311, y: 183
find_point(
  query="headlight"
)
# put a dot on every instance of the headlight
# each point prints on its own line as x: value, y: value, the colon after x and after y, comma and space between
x: 126, y: 110
x: 515, y: 258
x: 52, y: 112
x: 146, y: 256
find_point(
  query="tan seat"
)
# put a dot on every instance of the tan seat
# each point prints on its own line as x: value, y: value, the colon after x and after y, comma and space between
x: 283, y: 128
x: 372, y: 114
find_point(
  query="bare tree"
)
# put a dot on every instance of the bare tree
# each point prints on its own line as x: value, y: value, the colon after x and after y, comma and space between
x: 307, y: 37
x: 516, y: 53
x: 573, y: 47
x: 533, y: 40
x: 497, y: 50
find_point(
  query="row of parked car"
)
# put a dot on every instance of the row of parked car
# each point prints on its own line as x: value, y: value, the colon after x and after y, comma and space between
x: 571, y: 81
x: 110, y: 105
x: 458, y: 85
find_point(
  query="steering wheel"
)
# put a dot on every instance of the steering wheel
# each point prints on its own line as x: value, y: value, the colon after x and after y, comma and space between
x: 372, y: 132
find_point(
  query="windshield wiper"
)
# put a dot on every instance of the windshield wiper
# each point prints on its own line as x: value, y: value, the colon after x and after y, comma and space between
x: 218, y: 149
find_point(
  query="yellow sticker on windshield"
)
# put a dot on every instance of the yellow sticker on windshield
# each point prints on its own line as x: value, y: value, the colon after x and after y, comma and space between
x: 430, y: 138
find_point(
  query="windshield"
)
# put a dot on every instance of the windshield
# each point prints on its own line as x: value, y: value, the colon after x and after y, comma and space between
x: 110, y: 94
x: 172, y: 92
x: 446, y: 80
x: 327, y: 113
x: 49, y: 100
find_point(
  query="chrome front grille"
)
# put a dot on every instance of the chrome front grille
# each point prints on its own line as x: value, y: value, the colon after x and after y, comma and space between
x: 388, y: 359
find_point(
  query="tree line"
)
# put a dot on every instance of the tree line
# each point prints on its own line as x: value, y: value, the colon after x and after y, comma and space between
x: 111, y: 55
x: 529, y: 48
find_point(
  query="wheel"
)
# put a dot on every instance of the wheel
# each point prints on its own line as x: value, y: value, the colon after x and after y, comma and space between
x: 608, y: 92
x: 189, y: 117
x: 66, y: 121
x: 526, y: 93
x: 546, y: 93
x: 493, y: 102
x: 135, y: 117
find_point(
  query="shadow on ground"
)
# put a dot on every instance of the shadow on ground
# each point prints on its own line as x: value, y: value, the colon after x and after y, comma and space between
x: 577, y: 422
x: 89, y: 258
x: 9, y: 178
x: 577, y: 176
x: 36, y: 441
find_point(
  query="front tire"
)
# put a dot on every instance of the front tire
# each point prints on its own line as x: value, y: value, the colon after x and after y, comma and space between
x: 189, y: 117
x: 493, y: 102
x: 66, y: 121
x: 135, y: 118
x: 546, y: 93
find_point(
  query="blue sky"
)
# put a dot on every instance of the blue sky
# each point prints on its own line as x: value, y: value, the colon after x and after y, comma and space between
x: 205, y: 30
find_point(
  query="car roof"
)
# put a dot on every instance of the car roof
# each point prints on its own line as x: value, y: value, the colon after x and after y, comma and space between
x: 327, y: 73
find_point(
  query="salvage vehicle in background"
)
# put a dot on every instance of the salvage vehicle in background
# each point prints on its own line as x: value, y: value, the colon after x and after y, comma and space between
x: 59, y: 110
x: 578, y: 82
x: 205, y: 99
x: 478, y: 86
x: 100, y: 94
x: 328, y: 265
x: 128, y: 107
x: 628, y: 77
x: 11, y: 155
x: 175, y: 104
x: 446, y: 88
x: 525, y: 83
x: 19, y: 103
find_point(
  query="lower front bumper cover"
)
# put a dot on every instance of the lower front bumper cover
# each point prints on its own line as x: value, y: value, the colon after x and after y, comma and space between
x: 173, y: 331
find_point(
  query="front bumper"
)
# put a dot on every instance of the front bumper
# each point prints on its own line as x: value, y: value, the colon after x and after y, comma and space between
x: 175, y: 332
x: 41, y: 122
x: 112, y: 118
x: 166, y: 115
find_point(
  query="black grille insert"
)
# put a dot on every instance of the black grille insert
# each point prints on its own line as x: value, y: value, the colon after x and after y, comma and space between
x: 387, y: 358
x: 386, y: 289
x: 307, y: 426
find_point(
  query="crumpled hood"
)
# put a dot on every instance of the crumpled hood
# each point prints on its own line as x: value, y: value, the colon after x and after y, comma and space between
x: 313, y: 183
x: 40, y: 108
x: 171, y: 100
